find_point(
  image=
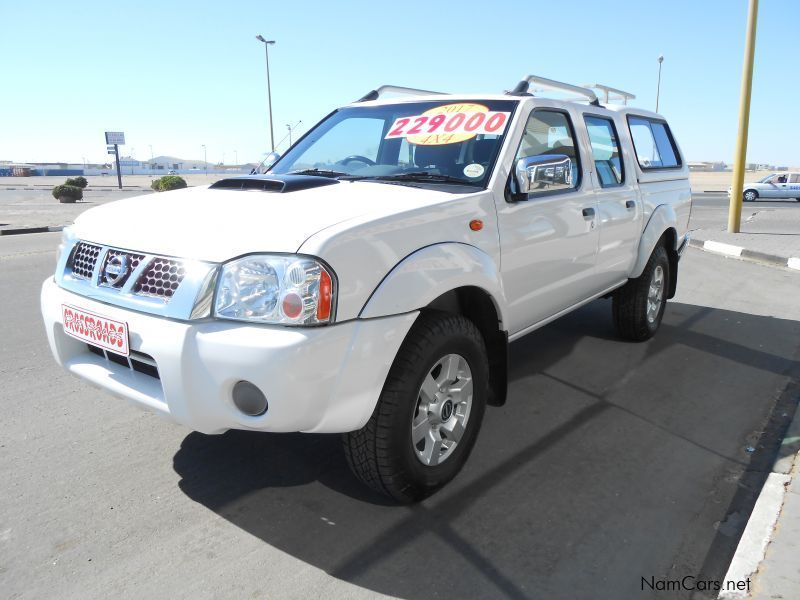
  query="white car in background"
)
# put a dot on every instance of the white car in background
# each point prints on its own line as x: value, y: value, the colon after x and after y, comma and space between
x: 776, y: 185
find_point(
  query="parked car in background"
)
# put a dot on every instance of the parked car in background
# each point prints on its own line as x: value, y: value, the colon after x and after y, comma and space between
x: 776, y: 185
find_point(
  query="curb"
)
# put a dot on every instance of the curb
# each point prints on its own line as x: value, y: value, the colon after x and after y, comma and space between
x: 21, y: 230
x: 742, y: 253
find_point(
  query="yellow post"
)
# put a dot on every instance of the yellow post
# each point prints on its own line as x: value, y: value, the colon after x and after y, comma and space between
x: 737, y: 186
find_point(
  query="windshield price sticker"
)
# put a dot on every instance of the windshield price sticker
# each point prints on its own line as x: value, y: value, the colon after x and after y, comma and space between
x: 449, y: 124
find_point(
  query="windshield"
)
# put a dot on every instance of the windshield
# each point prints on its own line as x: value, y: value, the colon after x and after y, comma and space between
x: 422, y: 142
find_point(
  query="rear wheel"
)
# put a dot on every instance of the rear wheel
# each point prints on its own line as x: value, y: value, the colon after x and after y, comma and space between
x: 638, y: 306
x: 750, y: 195
x: 429, y: 413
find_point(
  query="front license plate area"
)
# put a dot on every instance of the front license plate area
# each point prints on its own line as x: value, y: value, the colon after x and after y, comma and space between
x: 95, y: 329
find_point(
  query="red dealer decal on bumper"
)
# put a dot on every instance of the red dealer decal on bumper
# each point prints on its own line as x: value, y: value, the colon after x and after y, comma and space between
x: 94, y: 329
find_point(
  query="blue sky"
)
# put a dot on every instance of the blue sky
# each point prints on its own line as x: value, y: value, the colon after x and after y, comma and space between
x: 176, y: 75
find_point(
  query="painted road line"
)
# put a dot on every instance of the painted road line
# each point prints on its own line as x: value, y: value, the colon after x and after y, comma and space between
x: 720, y: 248
x: 756, y: 536
x: 793, y: 263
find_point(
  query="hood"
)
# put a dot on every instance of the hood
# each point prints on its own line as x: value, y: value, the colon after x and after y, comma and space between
x: 215, y: 225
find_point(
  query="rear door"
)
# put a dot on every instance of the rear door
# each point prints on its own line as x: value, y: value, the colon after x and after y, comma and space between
x: 793, y: 188
x: 618, y: 202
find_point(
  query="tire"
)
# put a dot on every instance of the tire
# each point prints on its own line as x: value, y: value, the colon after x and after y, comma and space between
x: 750, y: 196
x: 382, y: 454
x: 636, y: 315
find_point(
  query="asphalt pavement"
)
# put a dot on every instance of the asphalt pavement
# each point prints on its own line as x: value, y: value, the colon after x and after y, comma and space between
x: 611, y: 462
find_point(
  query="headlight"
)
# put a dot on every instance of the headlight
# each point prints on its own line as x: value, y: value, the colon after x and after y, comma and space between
x: 67, y: 241
x: 287, y: 290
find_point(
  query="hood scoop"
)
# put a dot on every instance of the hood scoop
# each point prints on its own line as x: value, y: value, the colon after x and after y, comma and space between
x: 272, y: 183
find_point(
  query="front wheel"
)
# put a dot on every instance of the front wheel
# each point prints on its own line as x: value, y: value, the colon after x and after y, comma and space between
x: 638, y: 306
x: 429, y: 413
x: 750, y: 195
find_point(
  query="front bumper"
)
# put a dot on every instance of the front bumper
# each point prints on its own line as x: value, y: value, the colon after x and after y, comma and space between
x: 320, y: 379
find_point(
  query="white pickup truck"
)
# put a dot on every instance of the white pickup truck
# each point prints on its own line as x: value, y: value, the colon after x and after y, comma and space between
x: 369, y: 284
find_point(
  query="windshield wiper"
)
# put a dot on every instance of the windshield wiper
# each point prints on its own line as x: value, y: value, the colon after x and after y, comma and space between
x: 319, y: 172
x: 418, y: 176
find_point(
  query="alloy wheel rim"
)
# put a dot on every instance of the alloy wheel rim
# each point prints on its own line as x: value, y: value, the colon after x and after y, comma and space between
x: 655, y: 294
x: 444, y: 403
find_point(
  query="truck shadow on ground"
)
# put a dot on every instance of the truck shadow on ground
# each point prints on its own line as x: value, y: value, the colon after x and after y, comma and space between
x: 611, y: 462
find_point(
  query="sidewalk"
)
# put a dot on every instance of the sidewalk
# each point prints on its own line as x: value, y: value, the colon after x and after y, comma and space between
x: 34, y: 211
x: 768, y: 554
x: 768, y: 235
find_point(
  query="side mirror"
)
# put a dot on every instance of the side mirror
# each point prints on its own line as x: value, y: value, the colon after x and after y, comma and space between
x: 545, y: 173
x: 270, y: 160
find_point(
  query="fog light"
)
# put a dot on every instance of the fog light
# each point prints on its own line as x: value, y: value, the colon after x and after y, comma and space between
x: 249, y: 399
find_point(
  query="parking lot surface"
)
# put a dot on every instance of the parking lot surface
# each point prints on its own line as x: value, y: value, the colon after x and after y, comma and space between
x: 611, y: 462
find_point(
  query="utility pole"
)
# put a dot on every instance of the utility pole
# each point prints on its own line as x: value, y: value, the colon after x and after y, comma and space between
x: 205, y: 159
x: 267, y: 44
x: 737, y: 185
x: 658, y: 89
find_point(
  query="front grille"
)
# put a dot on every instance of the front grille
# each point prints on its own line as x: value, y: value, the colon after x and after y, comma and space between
x: 155, y: 276
x: 161, y: 278
x: 138, y: 361
x: 84, y: 259
x: 133, y: 262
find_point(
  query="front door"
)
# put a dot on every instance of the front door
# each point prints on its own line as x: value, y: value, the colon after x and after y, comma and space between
x: 549, y: 238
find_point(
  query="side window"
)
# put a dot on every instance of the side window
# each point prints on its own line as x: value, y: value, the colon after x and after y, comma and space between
x: 605, y: 150
x: 794, y: 178
x: 550, y: 137
x: 653, y: 143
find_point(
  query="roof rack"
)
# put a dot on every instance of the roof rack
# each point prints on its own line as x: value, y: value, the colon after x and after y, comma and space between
x: 521, y: 88
x: 387, y: 89
x: 607, y: 91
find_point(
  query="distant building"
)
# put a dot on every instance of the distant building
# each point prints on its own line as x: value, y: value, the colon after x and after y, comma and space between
x: 707, y: 166
x: 159, y: 165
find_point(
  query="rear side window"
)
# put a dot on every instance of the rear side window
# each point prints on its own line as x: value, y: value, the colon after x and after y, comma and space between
x: 652, y: 140
x: 605, y: 150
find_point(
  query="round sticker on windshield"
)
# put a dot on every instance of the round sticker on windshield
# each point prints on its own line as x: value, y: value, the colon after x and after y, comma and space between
x: 474, y: 170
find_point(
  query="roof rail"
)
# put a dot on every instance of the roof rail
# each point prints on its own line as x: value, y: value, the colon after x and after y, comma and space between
x: 387, y: 89
x: 521, y: 88
x: 607, y: 91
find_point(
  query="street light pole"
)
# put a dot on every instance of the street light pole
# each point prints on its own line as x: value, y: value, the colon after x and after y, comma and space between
x: 205, y: 159
x: 658, y: 89
x: 267, y: 43
x: 737, y: 185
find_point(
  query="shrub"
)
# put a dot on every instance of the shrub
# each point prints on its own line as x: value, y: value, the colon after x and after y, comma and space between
x: 67, y: 193
x: 171, y: 182
x: 79, y: 181
x: 156, y: 184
